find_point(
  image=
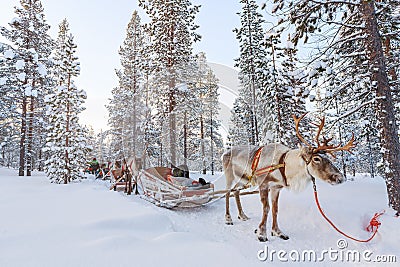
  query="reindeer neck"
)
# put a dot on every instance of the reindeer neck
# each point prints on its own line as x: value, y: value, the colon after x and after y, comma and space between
x: 296, y: 170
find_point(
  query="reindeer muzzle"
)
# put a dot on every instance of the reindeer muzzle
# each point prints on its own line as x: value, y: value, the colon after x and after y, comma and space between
x: 336, y: 178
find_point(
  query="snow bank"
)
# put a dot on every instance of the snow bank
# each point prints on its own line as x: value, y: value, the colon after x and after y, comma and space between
x: 85, y: 224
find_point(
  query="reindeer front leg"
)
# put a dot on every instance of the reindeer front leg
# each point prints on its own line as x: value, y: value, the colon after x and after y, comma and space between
x: 228, y: 218
x: 261, y: 232
x: 275, y: 228
x: 241, y: 215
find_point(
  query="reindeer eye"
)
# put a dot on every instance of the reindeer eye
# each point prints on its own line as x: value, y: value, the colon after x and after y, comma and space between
x: 317, y: 159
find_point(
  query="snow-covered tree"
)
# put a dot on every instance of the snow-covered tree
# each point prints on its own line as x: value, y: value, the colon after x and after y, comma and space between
x: 357, y: 32
x: 33, y: 45
x: 213, y: 138
x: 252, y: 61
x: 9, y: 116
x: 127, y: 108
x: 66, y: 141
x: 239, y: 131
x: 199, y: 109
x: 172, y: 31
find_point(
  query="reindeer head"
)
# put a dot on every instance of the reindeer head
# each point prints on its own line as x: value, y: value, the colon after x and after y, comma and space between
x: 315, y: 157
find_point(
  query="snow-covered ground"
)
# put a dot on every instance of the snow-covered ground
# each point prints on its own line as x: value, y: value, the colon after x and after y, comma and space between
x: 85, y: 224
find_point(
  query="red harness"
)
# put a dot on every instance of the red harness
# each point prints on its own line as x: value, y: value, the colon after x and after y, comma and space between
x: 268, y: 169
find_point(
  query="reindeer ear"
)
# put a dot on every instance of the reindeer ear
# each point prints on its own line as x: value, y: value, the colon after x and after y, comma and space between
x: 305, y: 151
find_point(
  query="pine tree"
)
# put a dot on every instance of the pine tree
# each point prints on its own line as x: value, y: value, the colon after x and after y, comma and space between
x: 172, y: 31
x: 33, y: 45
x: 317, y: 17
x: 251, y: 61
x: 9, y: 116
x: 239, y: 130
x: 131, y: 58
x: 67, y: 139
x: 127, y: 108
x: 283, y: 93
x: 199, y: 111
x: 213, y: 124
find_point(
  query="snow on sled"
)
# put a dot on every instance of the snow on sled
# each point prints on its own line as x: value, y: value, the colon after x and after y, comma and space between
x: 165, y: 190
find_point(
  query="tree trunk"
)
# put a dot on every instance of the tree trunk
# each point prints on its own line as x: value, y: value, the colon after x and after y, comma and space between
x: 172, y: 123
x: 254, y: 129
x: 30, y: 137
x: 203, y: 155
x: 23, y: 138
x: 134, y: 122
x: 385, y: 108
x: 172, y: 93
x: 212, y: 141
x: 185, y: 154
x: 67, y: 175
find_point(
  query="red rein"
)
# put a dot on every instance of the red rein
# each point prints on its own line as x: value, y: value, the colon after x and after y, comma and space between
x: 372, y: 227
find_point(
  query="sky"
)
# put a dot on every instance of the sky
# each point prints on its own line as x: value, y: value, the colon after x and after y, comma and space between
x: 99, y: 28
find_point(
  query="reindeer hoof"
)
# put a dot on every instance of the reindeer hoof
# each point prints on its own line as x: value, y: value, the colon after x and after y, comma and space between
x: 228, y: 219
x: 243, y: 217
x: 284, y: 237
x: 280, y: 235
x: 261, y: 238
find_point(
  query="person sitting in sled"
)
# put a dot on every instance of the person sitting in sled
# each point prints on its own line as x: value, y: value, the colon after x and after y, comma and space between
x: 94, y: 166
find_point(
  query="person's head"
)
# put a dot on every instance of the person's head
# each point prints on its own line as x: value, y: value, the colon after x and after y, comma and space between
x: 94, y: 158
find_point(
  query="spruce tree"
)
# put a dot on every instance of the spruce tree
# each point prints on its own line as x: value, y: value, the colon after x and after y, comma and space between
x: 172, y: 31
x: 332, y: 17
x: 9, y: 115
x: 199, y: 111
x: 283, y: 93
x: 127, y: 108
x: 29, y: 35
x: 251, y: 61
x: 66, y: 142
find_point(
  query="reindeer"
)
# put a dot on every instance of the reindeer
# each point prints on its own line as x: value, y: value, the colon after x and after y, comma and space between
x: 275, y: 166
x: 133, y: 166
x: 129, y: 168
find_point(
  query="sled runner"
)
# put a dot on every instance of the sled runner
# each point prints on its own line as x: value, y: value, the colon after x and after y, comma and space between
x: 165, y: 190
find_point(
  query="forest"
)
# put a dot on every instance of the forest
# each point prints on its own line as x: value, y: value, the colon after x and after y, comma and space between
x: 335, y: 59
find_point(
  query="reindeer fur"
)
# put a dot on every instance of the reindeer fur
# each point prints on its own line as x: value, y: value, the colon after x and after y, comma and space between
x: 300, y: 164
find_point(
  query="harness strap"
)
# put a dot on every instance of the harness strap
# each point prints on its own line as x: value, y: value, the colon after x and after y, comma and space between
x: 282, y: 169
x: 268, y: 169
x: 256, y: 159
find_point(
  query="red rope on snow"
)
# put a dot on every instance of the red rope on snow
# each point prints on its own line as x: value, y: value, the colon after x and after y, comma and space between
x: 374, y: 223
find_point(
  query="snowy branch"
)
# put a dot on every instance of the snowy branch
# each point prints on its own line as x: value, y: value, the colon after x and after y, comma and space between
x: 352, y: 111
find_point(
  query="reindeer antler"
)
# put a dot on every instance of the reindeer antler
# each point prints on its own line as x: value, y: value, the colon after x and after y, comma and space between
x: 346, y: 147
x: 324, y: 146
x: 320, y: 127
x: 297, y: 122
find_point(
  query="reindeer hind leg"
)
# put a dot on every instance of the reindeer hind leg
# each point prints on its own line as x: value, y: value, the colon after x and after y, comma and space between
x: 229, y: 176
x: 275, y: 228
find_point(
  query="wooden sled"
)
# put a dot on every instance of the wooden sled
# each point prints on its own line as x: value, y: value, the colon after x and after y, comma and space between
x: 161, y: 188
